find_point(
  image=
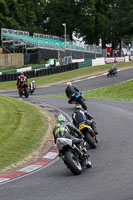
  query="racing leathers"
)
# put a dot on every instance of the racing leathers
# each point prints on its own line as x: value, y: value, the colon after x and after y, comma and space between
x: 20, y: 79
x: 67, y: 130
x: 70, y: 92
x: 80, y: 116
x: 113, y: 69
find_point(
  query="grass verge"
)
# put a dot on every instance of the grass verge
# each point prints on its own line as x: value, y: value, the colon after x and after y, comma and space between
x: 119, y: 91
x: 65, y: 76
x: 22, y: 128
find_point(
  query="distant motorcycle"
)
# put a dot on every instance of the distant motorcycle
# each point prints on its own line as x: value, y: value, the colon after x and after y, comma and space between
x: 89, y: 134
x: 111, y: 73
x: 72, y: 156
x: 23, y: 89
x: 32, y: 87
x: 78, y: 99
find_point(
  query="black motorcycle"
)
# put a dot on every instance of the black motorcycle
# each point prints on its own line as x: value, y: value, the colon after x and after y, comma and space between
x: 74, y: 158
x: 78, y: 98
x: 111, y: 73
x: 89, y: 134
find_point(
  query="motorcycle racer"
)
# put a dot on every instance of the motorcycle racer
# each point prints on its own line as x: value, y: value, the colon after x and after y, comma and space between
x: 81, y: 115
x: 65, y: 129
x: 70, y: 91
x: 20, y: 79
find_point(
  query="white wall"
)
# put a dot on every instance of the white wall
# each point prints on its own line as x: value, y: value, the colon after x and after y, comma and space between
x: 98, y: 61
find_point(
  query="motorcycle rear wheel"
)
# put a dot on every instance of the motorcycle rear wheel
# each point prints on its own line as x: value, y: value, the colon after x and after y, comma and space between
x: 90, y: 140
x: 108, y: 75
x: 73, y: 163
x: 81, y: 102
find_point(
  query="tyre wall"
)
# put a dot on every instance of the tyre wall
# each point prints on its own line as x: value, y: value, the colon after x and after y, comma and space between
x: 41, y: 72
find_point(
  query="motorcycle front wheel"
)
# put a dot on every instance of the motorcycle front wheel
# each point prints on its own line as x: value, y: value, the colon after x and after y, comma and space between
x: 31, y: 92
x: 20, y: 93
x: 26, y: 92
x: 88, y: 163
x: 73, y: 163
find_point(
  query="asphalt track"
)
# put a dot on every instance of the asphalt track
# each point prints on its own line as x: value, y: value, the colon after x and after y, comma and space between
x: 111, y: 176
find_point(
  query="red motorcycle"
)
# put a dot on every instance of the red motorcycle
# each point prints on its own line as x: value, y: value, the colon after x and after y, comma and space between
x: 23, y: 89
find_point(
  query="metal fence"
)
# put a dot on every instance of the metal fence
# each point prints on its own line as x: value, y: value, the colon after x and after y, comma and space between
x: 44, y: 41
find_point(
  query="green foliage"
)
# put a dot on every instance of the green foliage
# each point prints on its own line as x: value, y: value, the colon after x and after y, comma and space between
x: 110, y: 20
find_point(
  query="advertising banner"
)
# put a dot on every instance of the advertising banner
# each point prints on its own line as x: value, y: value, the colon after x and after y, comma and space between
x: 131, y: 58
x: 109, y: 60
x: 120, y: 59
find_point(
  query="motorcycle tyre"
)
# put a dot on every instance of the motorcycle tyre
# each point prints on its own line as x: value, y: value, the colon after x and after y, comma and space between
x: 91, y: 141
x: 88, y: 164
x: 26, y: 92
x: 20, y: 93
x: 108, y: 75
x: 73, y: 163
x: 81, y: 102
x: 31, y: 92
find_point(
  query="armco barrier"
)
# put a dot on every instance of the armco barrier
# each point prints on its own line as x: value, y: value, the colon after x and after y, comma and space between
x: 40, y: 72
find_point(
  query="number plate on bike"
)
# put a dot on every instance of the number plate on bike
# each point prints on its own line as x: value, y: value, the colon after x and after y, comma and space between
x: 81, y: 126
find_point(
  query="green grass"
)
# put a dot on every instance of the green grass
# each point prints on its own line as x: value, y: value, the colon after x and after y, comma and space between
x: 5, y: 69
x: 70, y: 75
x: 22, y: 128
x: 120, y: 91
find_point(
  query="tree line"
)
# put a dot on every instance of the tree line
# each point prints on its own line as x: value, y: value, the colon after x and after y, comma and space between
x: 108, y: 20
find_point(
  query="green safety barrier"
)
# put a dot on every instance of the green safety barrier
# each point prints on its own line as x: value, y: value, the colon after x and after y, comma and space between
x: 38, y: 66
x: 10, y: 72
x: 86, y: 63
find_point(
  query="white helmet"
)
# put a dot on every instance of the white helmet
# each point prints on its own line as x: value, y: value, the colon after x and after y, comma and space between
x: 78, y: 107
x: 33, y: 81
x: 69, y: 84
